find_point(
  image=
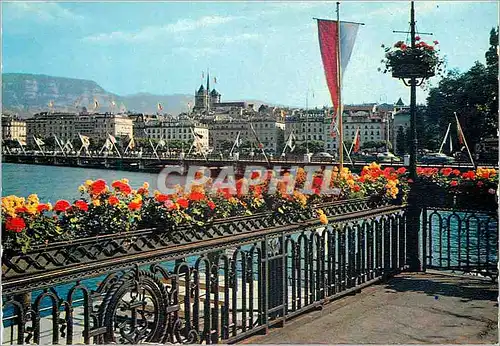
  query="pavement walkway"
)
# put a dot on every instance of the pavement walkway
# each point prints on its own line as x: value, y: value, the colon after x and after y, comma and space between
x: 411, y: 308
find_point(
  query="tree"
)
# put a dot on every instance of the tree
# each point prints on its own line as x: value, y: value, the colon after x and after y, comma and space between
x: 473, y: 95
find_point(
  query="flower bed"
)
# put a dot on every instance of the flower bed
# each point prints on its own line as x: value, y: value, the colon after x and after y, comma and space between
x: 119, y: 209
x: 403, y: 61
x: 449, y: 187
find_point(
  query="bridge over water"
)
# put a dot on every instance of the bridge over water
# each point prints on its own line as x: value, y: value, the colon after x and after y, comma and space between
x: 155, y: 164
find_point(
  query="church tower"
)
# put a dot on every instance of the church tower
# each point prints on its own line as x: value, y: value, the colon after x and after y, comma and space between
x: 200, y: 99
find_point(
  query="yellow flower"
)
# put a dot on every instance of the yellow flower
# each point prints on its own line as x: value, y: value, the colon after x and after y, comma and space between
x: 88, y: 182
x: 322, y: 217
x: 125, y: 180
x: 145, y: 185
x: 300, y: 197
x: 96, y: 202
x: 82, y: 188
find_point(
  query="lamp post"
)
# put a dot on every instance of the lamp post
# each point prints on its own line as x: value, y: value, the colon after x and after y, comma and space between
x: 414, y: 78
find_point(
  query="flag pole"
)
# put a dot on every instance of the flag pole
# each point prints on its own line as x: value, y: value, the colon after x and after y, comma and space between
x: 38, y: 144
x: 6, y: 146
x: 236, y: 143
x: 444, y: 139
x: 22, y: 148
x: 354, y: 140
x: 339, y: 84
x: 465, y: 141
x: 348, y: 156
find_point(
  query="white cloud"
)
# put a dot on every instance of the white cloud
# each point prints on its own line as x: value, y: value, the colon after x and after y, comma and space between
x: 232, y: 39
x: 403, y: 9
x: 151, y: 33
x: 39, y: 11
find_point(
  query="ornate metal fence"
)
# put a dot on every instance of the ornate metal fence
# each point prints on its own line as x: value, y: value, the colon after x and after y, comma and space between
x: 214, y: 290
x: 463, y: 240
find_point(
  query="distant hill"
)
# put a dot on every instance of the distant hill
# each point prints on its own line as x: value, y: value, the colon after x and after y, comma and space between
x: 26, y: 94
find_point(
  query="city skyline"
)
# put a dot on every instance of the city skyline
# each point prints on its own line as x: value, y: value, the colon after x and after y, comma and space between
x: 265, y: 51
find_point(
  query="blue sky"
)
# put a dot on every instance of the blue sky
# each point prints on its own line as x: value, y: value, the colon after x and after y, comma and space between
x: 257, y: 50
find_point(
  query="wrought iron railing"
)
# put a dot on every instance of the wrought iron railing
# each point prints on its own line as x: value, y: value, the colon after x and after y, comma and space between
x: 461, y: 240
x: 220, y: 288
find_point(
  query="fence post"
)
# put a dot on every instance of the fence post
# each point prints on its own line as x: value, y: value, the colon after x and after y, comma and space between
x: 413, y: 229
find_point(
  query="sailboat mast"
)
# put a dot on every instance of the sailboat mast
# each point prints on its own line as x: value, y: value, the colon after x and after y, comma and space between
x: 339, y: 84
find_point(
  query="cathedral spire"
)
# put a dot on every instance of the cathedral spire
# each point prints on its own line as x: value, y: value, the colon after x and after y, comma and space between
x: 208, y: 81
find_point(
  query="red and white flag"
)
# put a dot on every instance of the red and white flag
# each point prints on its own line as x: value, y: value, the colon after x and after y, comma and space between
x: 335, y: 62
x: 357, y: 142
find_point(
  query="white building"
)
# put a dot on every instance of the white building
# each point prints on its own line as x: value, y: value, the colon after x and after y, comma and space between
x: 269, y: 131
x: 69, y: 125
x: 173, y: 130
x: 13, y: 128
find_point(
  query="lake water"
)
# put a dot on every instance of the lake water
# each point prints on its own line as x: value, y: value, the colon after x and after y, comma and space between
x: 52, y: 183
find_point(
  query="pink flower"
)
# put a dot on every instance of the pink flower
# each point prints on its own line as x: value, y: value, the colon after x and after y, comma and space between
x: 417, y: 38
x: 436, y: 42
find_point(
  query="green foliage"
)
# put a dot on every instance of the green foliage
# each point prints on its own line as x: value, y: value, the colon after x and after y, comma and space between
x: 473, y: 95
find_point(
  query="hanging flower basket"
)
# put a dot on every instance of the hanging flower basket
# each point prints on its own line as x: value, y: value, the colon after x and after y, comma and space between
x: 403, y: 61
x: 410, y: 66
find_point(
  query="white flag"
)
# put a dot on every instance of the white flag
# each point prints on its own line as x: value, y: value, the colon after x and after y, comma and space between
x: 85, y: 141
x: 39, y: 142
x: 108, y: 144
x: 112, y: 139
x: 68, y: 145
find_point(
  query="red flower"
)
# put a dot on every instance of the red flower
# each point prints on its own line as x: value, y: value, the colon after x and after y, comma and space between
x: 184, y: 203
x: 142, y: 191
x: 404, y: 46
x: 361, y: 179
x: 401, y: 170
x: 169, y: 204
x: 211, y: 205
x: 356, y: 188
x: 15, y: 224
x: 22, y: 209
x: 196, y: 196
x: 42, y: 207
x: 98, y: 187
x: 417, y: 38
x: 162, y: 197
x: 122, y: 187
x: 453, y: 183
x: 446, y: 171
x: 456, y: 172
x: 62, y: 205
x: 410, y: 181
x: 226, y: 192
x: 436, y: 42
x: 480, y: 183
x: 469, y: 175
x: 113, y: 200
x: 254, y: 175
x: 317, y: 181
x: 82, y: 205
x: 135, y: 205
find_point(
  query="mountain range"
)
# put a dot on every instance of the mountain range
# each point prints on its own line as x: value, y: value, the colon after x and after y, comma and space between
x: 26, y: 94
